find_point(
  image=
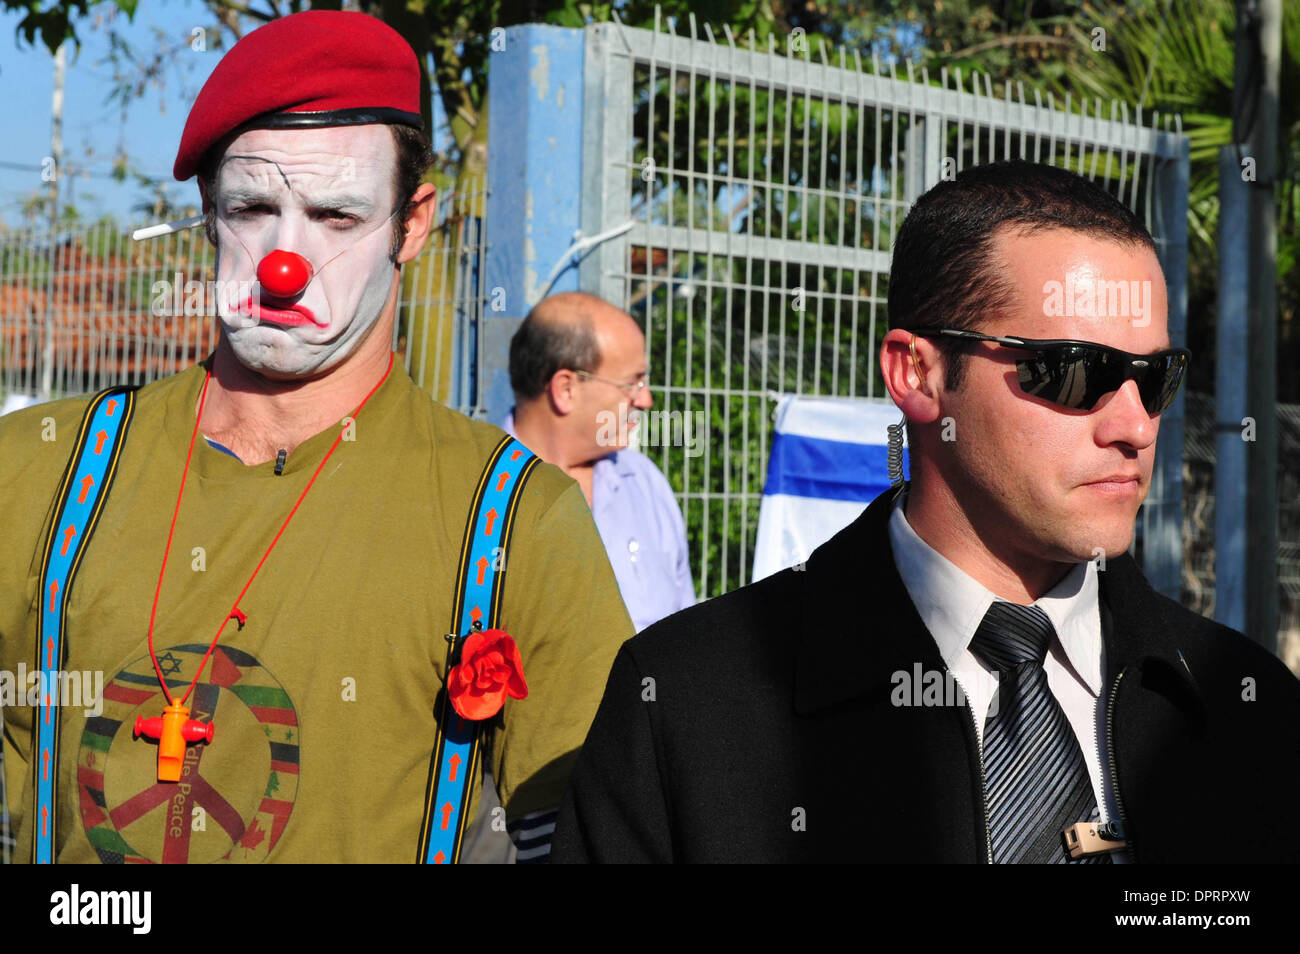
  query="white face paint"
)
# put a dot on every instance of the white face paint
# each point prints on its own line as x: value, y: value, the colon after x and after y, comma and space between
x: 325, y: 194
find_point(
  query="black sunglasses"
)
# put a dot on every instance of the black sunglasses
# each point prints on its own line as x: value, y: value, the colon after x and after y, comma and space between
x: 1078, y: 374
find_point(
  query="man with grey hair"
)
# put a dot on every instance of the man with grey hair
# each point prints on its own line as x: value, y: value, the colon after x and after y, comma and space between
x: 578, y: 370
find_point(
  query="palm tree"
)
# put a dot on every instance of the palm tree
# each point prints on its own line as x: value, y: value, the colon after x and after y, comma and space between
x: 1178, y: 56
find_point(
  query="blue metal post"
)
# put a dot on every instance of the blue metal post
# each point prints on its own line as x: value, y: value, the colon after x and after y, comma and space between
x: 534, y: 184
x: 1230, y: 374
x: 1162, y: 550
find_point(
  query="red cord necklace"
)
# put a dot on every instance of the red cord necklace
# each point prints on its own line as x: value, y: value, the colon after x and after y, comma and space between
x: 174, y: 728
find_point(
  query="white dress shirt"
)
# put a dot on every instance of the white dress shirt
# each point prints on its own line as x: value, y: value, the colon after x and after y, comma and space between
x: 952, y: 604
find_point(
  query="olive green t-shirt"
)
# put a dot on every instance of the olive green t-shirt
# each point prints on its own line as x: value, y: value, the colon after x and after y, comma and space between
x: 323, y: 702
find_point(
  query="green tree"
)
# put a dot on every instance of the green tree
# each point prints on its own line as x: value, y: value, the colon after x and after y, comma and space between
x: 54, y: 23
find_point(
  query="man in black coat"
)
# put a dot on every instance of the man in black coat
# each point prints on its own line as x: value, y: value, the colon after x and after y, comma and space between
x: 862, y: 707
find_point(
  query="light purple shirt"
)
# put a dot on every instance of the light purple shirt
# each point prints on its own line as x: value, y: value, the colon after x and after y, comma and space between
x: 641, y: 526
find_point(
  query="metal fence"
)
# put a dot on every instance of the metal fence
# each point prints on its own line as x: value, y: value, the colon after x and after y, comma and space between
x: 1199, y: 458
x: 89, y: 307
x: 441, y: 307
x: 764, y: 188
x: 84, y: 308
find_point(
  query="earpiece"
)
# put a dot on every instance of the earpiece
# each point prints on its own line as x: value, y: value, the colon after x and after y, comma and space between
x: 894, y: 453
x: 916, y: 362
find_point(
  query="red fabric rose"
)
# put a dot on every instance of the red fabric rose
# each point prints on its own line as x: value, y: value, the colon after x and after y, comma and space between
x: 490, y: 669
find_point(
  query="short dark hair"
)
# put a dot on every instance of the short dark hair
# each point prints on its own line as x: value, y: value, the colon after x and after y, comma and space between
x: 943, y: 272
x: 543, y: 345
x: 414, y: 157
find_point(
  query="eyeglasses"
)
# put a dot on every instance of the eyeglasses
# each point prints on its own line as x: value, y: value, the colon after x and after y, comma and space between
x: 1078, y: 374
x: 631, y: 389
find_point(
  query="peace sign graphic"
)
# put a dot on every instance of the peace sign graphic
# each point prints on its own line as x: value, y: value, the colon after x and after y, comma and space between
x: 235, y: 795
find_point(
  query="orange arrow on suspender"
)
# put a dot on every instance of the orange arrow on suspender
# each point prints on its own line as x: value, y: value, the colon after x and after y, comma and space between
x: 49, y: 653
x: 68, y: 533
x: 454, y: 762
x: 86, y: 483
x: 45, y: 763
x: 45, y: 817
x: 482, y: 565
x: 516, y: 454
x: 491, y: 519
x: 439, y: 858
x: 501, y: 481
x: 100, y: 437
x: 112, y: 406
x: 475, y: 614
x: 446, y: 816
x: 54, y: 589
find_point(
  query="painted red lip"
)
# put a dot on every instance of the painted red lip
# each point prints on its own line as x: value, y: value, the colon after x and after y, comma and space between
x: 293, y: 315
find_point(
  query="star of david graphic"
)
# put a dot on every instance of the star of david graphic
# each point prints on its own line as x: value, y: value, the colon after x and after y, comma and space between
x: 169, y: 664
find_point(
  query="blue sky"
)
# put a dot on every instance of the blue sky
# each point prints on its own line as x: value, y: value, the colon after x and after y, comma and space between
x: 93, y: 129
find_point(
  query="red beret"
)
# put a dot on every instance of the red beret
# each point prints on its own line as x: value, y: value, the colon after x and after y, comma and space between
x: 315, y: 68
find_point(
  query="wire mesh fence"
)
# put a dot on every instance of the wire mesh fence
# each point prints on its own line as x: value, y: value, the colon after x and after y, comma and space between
x: 85, y: 308
x: 442, y: 303
x: 1198, y: 590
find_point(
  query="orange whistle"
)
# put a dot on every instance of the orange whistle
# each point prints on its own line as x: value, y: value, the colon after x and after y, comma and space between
x: 172, y: 730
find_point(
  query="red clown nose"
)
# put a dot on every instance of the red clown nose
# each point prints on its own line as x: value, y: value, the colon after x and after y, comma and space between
x: 284, y: 274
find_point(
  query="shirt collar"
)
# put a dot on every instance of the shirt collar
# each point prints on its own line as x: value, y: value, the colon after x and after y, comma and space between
x: 622, y: 461
x: 952, y: 604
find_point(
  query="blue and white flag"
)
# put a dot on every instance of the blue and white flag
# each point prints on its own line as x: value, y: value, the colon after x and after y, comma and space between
x: 829, y: 460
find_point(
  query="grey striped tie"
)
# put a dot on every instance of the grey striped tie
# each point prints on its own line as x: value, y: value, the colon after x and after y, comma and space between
x: 1035, y: 776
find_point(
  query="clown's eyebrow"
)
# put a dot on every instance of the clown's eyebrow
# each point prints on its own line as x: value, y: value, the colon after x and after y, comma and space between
x: 245, y: 194
x: 341, y: 200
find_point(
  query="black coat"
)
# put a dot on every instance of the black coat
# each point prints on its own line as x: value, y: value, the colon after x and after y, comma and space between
x: 730, y: 726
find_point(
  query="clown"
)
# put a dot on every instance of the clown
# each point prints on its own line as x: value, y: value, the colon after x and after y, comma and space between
x: 276, y: 557
x: 281, y: 203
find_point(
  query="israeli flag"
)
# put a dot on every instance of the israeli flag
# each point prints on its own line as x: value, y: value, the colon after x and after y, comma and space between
x: 829, y: 460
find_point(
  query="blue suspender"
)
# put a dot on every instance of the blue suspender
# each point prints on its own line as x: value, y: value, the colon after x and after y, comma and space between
x: 477, y: 603
x: 85, y: 484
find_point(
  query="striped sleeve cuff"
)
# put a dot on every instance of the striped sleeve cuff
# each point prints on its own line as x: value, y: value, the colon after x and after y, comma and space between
x: 532, y: 836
